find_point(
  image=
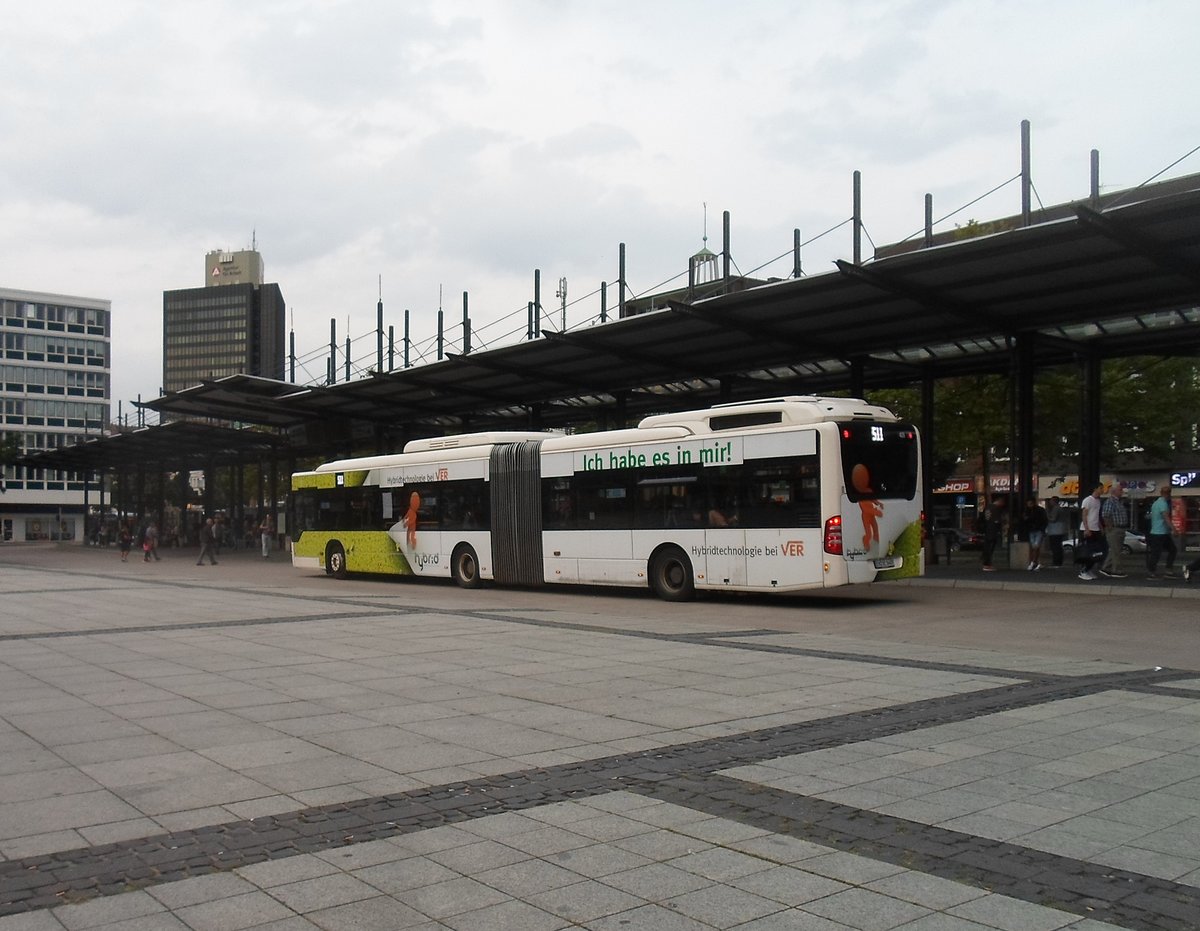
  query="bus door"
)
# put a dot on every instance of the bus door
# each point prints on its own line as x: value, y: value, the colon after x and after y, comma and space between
x: 783, y: 523
x: 724, y: 542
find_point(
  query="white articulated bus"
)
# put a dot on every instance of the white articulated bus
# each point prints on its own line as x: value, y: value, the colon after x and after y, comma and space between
x: 773, y: 495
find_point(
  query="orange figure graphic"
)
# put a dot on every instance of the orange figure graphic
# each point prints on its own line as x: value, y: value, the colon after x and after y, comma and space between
x: 860, y: 478
x: 410, y: 519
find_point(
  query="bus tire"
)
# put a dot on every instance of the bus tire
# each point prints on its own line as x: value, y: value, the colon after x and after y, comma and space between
x: 464, y: 567
x: 671, y: 575
x: 335, y: 560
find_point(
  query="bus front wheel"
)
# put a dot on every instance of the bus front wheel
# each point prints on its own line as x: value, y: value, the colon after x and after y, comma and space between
x: 464, y: 566
x: 671, y: 575
x: 335, y: 561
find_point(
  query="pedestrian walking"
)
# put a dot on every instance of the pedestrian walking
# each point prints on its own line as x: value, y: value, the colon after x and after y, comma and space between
x: 991, y: 526
x: 1159, y: 538
x: 150, y: 543
x: 266, y: 530
x: 124, y: 541
x: 1035, y: 532
x: 1115, y: 517
x: 208, y: 542
x: 1092, y: 544
x: 1056, y: 530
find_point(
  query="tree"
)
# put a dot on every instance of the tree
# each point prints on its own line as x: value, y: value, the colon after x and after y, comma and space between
x: 1150, y: 407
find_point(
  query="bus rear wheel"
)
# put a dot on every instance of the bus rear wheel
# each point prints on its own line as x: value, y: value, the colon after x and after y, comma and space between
x: 335, y: 561
x: 671, y: 575
x: 464, y: 567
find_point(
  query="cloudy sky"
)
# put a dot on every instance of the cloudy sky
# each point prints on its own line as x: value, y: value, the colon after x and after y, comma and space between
x: 460, y: 144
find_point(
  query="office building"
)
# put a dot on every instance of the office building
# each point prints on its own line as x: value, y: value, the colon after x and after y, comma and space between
x: 55, y: 391
x: 232, y: 325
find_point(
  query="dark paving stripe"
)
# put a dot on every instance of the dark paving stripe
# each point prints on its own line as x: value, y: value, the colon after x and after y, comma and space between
x: 75, y: 875
x: 1116, y: 896
x: 203, y: 625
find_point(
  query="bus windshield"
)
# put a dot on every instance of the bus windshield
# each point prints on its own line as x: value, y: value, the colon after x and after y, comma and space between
x: 879, y: 460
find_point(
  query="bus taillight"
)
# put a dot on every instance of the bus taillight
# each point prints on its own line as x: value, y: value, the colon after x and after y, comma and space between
x: 833, y: 535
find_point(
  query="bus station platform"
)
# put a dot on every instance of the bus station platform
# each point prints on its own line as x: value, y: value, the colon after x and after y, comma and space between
x: 249, y: 746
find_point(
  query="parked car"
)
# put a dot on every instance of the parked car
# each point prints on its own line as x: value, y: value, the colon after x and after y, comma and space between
x: 1134, y: 543
x: 957, y: 538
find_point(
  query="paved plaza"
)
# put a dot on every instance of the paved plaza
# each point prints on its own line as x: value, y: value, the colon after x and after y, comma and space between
x: 249, y: 746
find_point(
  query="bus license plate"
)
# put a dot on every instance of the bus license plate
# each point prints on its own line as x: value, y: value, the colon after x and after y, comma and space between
x: 889, y: 562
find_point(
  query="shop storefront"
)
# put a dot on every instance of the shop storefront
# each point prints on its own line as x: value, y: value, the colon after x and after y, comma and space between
x: 40, y: 527
x: 1141, y: 489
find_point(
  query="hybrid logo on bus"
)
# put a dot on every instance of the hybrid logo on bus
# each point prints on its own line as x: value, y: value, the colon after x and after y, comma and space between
x: 425, y: 560
x: 791, y: 548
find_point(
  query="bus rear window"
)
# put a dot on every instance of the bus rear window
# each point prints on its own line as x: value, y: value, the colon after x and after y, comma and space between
x: 879, y: 460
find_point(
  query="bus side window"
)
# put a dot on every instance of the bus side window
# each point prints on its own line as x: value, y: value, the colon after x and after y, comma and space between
x: 558, y: 510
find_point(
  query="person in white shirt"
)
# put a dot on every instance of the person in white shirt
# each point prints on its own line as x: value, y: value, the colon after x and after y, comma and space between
x: 1091, y: 534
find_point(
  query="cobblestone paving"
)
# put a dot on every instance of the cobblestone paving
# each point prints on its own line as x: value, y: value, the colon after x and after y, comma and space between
x: 289, y: 761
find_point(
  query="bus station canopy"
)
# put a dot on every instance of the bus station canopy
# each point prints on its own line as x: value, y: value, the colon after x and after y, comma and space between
x: 1113, y: 278
x: 177, y: 446
x: 1118, y: 281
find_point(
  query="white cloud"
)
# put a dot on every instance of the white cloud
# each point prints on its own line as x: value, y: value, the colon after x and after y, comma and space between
x: 462, y: 144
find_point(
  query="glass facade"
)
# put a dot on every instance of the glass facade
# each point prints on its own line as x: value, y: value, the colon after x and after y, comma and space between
x: 212, y: 332
x: 55, y: 387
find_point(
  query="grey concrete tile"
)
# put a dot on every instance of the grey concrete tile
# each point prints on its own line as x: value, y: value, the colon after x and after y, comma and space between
x: 648, y: 918
x: 723, y: 906
x: 997, y: 911
x: 609, y: 827
x: 507, y: 916
x: 793, y: 919
x: 443, y: 838
x: 370, y: 853
x: 381, y: 913
x: 37, y: 844
x: 779, y: 848
x: 1060, y: 840
x: 925, y: 890
x: 521, y: 880
x: 47, y: 815
x: 720, y: 831
x: 30, y: 921
x: 584, y: 901
x: 788, y: 885
x: 848, y: 868
x: 308, y: 895
x: 720, y: 864
x: 1151, y: 862
x: 119, y: 830
x: 599, y: 860
x: 163, y: 921
x: 656, y: 882
x: 1178, y: 839
x: 107, y: 910
x: 453, y: 897
x: 866, y: 910
x: 186, y: 793
x: 44, y: 783
x: 295, y: 923
x: 942, y: 922
x: 547, y: 840
x: 663, y: 845
x: 270, y: 873
x: 473, y: 859
x: 401, y: 875
x: 234, y: 913
x: 145, y: 770
x: 184, y: 892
